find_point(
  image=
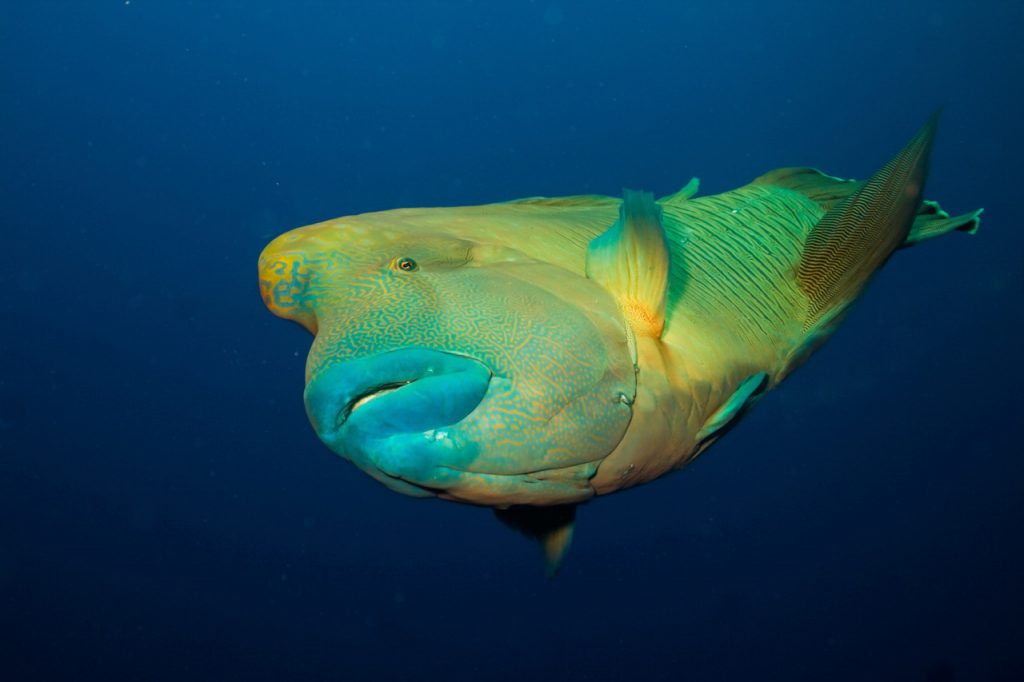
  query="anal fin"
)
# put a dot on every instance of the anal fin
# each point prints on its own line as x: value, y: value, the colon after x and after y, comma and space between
x: 551, y: 526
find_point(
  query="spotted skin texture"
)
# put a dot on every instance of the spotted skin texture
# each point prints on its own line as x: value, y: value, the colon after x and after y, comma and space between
x: 555, y: 346
x: 464, y: 352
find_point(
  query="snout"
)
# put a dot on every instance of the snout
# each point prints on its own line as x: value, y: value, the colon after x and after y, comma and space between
x: 390, y: 413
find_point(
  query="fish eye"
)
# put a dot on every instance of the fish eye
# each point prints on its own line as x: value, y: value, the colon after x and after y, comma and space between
x: 407, y: 264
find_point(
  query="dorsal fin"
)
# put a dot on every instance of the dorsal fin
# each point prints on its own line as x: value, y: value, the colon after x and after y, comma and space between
x: 856, y: 236
x: 552, y: 526
x: 685, y: 194
x: 575, y: 200
x: 631, y: 260
x: 825, y: 190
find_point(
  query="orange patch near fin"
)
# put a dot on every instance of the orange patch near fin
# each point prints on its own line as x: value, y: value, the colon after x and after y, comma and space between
x: 631, y: 260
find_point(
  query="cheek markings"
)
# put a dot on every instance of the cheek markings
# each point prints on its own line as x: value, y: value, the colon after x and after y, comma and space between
x: 381, y: 312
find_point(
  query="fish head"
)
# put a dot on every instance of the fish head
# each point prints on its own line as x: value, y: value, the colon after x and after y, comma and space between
x: 450, y: 365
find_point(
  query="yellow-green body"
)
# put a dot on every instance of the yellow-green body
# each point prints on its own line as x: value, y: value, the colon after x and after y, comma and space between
x: 734, y: 310
x: 618, y: 341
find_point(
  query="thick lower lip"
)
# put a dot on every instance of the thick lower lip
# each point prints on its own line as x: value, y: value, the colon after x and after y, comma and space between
x: 404, y: 391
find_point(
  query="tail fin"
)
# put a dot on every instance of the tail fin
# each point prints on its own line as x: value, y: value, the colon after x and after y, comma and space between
x: 932, y: 221
x: 857, y: 235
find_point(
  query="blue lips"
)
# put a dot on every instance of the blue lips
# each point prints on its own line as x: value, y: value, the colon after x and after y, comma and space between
x: 388, y: 411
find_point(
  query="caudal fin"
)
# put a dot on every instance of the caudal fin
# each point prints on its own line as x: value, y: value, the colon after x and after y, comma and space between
x: 932, y: 221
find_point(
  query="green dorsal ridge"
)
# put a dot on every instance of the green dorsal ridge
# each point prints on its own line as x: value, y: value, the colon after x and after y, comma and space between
x: 825, y: 190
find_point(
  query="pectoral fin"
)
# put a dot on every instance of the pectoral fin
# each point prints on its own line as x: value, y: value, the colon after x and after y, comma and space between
x: 551, y: 526
x: 631, y: 260
x: 856, y: 236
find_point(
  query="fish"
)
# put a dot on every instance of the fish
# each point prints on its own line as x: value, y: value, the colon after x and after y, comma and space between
x: 534, y: 354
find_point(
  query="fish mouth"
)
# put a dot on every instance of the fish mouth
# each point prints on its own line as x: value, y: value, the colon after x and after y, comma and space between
x: 405, y: 391
x: 365, y: 398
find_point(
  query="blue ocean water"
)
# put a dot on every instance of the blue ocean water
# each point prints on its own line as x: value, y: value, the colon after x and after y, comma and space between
x: 166, y: 512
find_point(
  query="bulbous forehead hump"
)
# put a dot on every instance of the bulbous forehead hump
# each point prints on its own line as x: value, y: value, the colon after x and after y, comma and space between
x: 347, y: 238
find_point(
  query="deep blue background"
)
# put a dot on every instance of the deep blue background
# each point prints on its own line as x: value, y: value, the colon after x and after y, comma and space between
x: 166, y: 513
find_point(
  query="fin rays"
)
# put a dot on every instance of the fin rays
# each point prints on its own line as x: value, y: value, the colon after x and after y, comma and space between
x: 631, y: 260
x: 860, y: 232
